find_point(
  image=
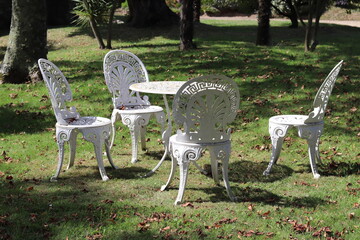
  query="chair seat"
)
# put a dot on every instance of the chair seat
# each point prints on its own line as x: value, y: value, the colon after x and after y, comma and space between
x: 86, y: 122
x: 294, y: 120
x: 139, y: 109
x: 177, y: 140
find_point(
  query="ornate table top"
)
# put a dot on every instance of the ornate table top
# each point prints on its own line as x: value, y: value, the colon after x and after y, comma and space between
x: 158, y: 87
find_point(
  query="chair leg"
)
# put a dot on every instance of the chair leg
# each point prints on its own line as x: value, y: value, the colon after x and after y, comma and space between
x: 317, y: 151
x: 108, y: 155
x: 184, y: 168
x: 214, y: 165
x: 72, y: 143
x: 277, y: 133
x: 61, y: 137
x: 203, y: 171
x: 99, y: 158
x: 134, y: 132
x: 134, y: 123
x: 96, y: 137
x: 171, y: 175
x: 225, y: 171
x: 114, y: 117
x: 160, y: 118
x: 142, y: 137
x: 312, y: 135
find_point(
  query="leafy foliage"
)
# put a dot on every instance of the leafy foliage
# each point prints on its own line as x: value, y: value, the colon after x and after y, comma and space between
x: 239, y: 6
x: 84, y: 9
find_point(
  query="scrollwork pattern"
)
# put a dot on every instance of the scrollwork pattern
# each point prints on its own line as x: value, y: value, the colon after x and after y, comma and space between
x: 204, y: 106
x: 322, y: 97
x: 59, y: 90
x: 121, y: 69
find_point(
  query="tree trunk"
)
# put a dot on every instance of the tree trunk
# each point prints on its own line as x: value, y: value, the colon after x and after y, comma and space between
x: 314, y: 41
x: 145, y: 13
x: 309, y: 27
x: 187, y: 25
x: 110, y: 23
x: 292, y: 15
x: 27, y: 42
x: 263, y: 30
x: 94, y: 26
x: 197, y: 10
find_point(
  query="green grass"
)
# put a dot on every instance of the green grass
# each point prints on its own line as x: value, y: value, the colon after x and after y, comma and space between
x: 289, y: 204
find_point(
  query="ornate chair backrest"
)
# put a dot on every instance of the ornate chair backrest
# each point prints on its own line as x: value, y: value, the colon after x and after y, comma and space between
x: 204, y: 106
x: 59, y: 91
x: 121, y: 69
x: 322, y: 97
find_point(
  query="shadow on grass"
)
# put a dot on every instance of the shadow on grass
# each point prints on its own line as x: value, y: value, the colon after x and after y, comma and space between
x: 247, y: 171
x: 36, y: 209
x: 91, y: 173
x: 339, y: 169
x: 13, y: 120
x: 249, y: 194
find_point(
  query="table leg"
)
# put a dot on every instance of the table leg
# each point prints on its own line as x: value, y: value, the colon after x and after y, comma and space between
x: 165, y: 136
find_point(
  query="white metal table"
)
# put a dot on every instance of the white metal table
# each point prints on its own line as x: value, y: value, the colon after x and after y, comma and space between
x: 164, y: 88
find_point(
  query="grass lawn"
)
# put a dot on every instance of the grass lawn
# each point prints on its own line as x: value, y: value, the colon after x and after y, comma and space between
x: 288, y: 204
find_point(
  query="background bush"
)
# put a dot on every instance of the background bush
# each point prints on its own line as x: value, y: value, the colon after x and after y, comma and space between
x: 230, y: 6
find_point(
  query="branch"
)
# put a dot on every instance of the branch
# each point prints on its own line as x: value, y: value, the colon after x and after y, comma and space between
x: 279, y: 11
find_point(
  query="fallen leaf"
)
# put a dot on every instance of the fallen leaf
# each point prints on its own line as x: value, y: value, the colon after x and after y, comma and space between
x: 188, y: 204
x: 13, y: 95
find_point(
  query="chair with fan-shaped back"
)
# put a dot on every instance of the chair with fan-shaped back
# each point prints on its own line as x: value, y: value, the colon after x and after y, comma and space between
x: 203, y: 107
x: 69, y: 122
x: 309, y: 127
x: 121, y: 69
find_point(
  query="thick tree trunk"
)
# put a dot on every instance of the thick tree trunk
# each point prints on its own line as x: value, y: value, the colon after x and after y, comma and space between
x: 187, y: 25
x: 292, y: 15
x: 263, y: 30
x: 27, y: 42
x: 145, y: 13
x: 197, y: 10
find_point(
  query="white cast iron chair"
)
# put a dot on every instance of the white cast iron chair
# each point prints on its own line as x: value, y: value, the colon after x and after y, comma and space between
x: 309, y: 127
x: 121, y: 69
x: 203, y: 107
x: 69, y: 122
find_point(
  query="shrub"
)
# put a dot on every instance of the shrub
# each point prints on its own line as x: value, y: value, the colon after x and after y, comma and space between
x: 226, y: 6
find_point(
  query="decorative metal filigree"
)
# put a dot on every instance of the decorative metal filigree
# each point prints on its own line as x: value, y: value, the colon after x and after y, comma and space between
x: 204, y: 106
x: 69, y: 123
x: 122, y: 69
x: 59, y: 91
x: 322, y: 97
x: 309, y: 127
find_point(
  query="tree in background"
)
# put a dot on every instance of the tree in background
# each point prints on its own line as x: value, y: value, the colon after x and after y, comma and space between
x: 145, y: 13
x: 316, y: 9
x: 197, y: 10
x: 287, y: 8
x: 27, y: 42
x: 187, y: 25
x: 92, y: 13
x: 263, y: 29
